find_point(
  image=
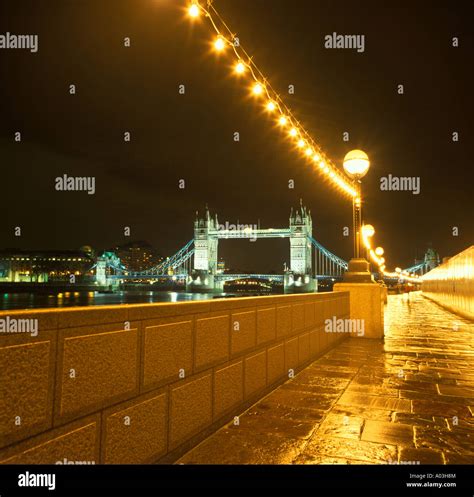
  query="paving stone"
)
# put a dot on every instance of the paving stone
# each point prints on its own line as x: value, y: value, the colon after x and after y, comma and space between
x: 323, y: 459
x: 377, y: 402
x: 351, y: 449
x: 225, y: 447
x: 293, y: 398
x: 257, y: 421
x: 351, y: 406
x: 284, y: 412
x: 363, y: 412
x: 389, y: 433
x: 452, y: 458
x: 420, y: 456
x: 434, y: 408
x: 341, y: 425
x: 456, y: 391
x: 459, y: 441
x: 413, y: 419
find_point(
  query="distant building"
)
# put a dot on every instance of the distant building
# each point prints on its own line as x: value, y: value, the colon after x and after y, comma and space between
x: 41, y: 266
x: 138, y: 256
x: 431, y: 259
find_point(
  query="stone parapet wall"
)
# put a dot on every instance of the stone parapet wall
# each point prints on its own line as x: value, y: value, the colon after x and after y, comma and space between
x: 143, y: 383
x: 452, y: 283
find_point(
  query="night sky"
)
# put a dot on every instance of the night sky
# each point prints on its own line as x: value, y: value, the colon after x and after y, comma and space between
x: 190, y: 136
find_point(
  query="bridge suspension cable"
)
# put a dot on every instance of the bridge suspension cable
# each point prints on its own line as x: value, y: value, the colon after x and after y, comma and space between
x: 181, y: 260
x: 330, y: 263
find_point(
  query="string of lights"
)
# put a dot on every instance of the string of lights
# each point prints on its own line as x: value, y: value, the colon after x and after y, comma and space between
x: 377, y: 258
x: 261, y: 88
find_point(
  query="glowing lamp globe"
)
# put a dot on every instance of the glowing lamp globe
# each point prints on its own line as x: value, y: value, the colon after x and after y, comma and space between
x: 379, y: 251
x: 368, y: 230
x: 356, y: 164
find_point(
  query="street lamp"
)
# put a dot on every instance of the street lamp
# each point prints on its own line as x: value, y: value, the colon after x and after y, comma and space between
x: 356, y: 165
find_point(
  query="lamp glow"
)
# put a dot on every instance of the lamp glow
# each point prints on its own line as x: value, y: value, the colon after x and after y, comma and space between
x: 356, y: 164
x: 219, y: 44
x: 283, y: 121
x: 379, y: 251
x: 194, y: 10
x: 240, y: 68
x: 271, y: 106
x: 257, y: 89
x: 293, y: 132
x: 368, y: 230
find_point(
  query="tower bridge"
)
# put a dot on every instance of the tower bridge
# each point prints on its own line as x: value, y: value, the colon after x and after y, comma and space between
x: 208, y: 232
x: 196, y: 263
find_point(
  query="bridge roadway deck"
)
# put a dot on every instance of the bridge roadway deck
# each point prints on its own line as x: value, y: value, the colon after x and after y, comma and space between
x: 409, y: 399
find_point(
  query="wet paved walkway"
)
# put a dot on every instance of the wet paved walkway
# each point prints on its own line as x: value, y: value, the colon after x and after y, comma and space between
x: 406, y: 400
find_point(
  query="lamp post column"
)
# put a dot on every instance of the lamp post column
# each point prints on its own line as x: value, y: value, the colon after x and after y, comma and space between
x: 357, y: 221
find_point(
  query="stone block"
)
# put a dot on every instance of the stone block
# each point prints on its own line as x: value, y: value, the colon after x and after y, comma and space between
x: 190, y: 408
x: 266, y: 325
x: 243, y: 332
x: 136, y: 432
x: 228, y: 388
x: 276, y: 363
x: 314, y: 339
x: 74, y: 443
x: 283, y: 320
x: 298, y: 317
x: 27, y: 368
x: 309, y: 315
x: 366, y: 304
x: 304, y: 350
x: 255, y: 373
x: 211, y: 341
x: 95, y: 370
x: 168, y: 349
x: 291, y: 354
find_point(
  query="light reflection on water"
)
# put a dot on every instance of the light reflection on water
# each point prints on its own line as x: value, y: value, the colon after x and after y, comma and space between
x: 73, y: 299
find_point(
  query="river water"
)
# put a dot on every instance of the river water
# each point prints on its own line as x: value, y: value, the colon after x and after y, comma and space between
x: 72, y: 299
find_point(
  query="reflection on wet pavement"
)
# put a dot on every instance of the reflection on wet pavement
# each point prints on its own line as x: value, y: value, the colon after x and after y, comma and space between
x: 407, y: 400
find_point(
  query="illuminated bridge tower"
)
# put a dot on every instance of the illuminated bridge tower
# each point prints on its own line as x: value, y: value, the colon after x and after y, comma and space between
x: 202, y: 278
x: 299, y: 278
x: 431, y: 260
x: 103, y: 271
